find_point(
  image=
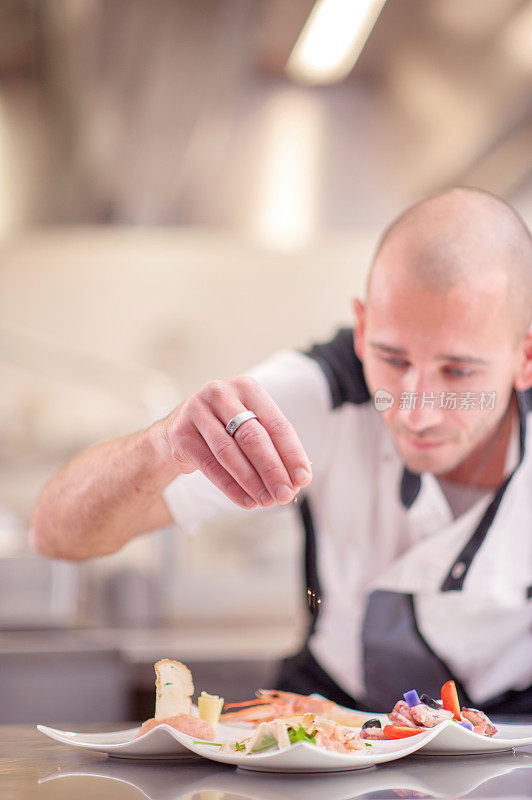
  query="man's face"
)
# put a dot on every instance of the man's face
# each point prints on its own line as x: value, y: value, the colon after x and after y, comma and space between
x: 426, y: 348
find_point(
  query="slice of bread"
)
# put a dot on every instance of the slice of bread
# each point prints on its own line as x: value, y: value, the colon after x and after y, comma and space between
x: 173, y: 689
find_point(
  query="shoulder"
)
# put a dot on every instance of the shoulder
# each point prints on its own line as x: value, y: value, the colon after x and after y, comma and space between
x: 341, y: 368
x: 329, y: 371
x: 310, y: 386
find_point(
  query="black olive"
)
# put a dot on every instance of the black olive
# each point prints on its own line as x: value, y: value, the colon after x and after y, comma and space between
x: 428, y: 701
x: 372, y: 723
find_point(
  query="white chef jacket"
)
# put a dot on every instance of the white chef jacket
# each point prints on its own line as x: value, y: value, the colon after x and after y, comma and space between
x: 409, y: 596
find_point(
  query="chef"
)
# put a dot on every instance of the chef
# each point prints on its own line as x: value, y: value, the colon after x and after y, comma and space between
x: 409, y: 445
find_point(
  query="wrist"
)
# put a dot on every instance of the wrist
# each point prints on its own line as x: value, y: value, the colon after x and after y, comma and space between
x: 160, y: 452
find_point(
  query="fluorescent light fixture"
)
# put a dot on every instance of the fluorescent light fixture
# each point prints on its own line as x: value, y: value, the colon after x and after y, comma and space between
x: 332, y: 40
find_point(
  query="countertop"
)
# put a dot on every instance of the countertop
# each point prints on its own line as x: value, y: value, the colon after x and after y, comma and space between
x: 33, y: 767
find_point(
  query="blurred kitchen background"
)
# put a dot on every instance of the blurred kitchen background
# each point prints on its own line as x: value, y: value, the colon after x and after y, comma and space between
x: 185, y: 187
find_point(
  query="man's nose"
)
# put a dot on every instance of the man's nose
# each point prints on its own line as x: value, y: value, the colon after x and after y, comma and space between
x: 419, y: 404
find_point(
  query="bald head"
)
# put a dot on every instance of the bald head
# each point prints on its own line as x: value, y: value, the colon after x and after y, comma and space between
x: 462, y: 238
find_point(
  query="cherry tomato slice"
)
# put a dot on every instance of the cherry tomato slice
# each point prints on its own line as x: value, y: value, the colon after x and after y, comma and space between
x: 400, y: 732
x: 449, y: 697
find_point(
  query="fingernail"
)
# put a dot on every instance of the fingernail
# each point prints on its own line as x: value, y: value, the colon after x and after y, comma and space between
x: 265, y: 498
x: 249, y: 502
x: 301, y: 475
x: 283, y: 493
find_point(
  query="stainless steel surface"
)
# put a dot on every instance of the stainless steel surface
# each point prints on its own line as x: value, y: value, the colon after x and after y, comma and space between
x: 89, y: 684
x: 38, y: 593
x: 102, y: 675
x: 32, y: 766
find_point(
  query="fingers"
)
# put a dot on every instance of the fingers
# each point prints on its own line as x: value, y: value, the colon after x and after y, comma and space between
x: 282, y: 434
x: 253, y: 439
x: 228, y: 453
x: 262, y: 464
x: 207, y: 462
x: 249, y: 456
x: 268, y: 444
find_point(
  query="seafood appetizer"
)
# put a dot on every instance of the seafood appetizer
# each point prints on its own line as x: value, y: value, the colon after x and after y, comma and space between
x: 173, y: 703
x: 417, y: 714
x: 271, y: 704
x: 283, y: 718
x: 278, y: 734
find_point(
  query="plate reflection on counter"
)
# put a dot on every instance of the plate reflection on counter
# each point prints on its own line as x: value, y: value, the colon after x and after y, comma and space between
x: 431, y: 777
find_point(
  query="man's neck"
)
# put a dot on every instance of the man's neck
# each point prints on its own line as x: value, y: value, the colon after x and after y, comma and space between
x: 484, y: 467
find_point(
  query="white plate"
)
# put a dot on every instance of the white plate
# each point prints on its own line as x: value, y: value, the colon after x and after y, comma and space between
x: 162, y: 741
x: 448, y: 739
x: 306, y: 757
x: 165, y: 742
x: 452, y: 739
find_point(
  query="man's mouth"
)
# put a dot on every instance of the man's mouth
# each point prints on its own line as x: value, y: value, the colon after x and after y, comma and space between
x: 422, y: 443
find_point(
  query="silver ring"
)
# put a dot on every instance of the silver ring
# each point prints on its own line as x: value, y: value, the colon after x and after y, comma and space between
x: 235, y: 423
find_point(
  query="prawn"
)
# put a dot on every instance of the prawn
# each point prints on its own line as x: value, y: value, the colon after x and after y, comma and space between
x: 274, y: 704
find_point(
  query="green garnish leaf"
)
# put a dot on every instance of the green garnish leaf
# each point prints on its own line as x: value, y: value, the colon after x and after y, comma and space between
x: 301, y: 735
x: 368, y: 744
x: 203, y: 741
x: 239, y: 746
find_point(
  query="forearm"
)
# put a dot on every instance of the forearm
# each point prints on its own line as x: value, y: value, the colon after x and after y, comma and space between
x: 113, y: 491
x: 103, y: 497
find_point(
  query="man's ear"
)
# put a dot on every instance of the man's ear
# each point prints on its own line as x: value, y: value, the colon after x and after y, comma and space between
x: 523, y: 379
x: 359, y: 311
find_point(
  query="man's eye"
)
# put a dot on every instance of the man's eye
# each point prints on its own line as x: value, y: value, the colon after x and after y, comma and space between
x: 455, y: 372
x: 396, y: 362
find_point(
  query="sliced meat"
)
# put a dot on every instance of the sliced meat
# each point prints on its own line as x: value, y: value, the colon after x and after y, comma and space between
x: 372, y: 733
x: 331, y: 736
x: 338, y: 741
x: 352, y: 741
x: 429, y: 717
x: 401, y: 715
x: 480, y: 721
x: 148, y: 726
x: 185, y: 723
x: 275, y: 731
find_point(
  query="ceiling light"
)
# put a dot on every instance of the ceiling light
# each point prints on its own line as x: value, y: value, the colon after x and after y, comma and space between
x: 332, y: 39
